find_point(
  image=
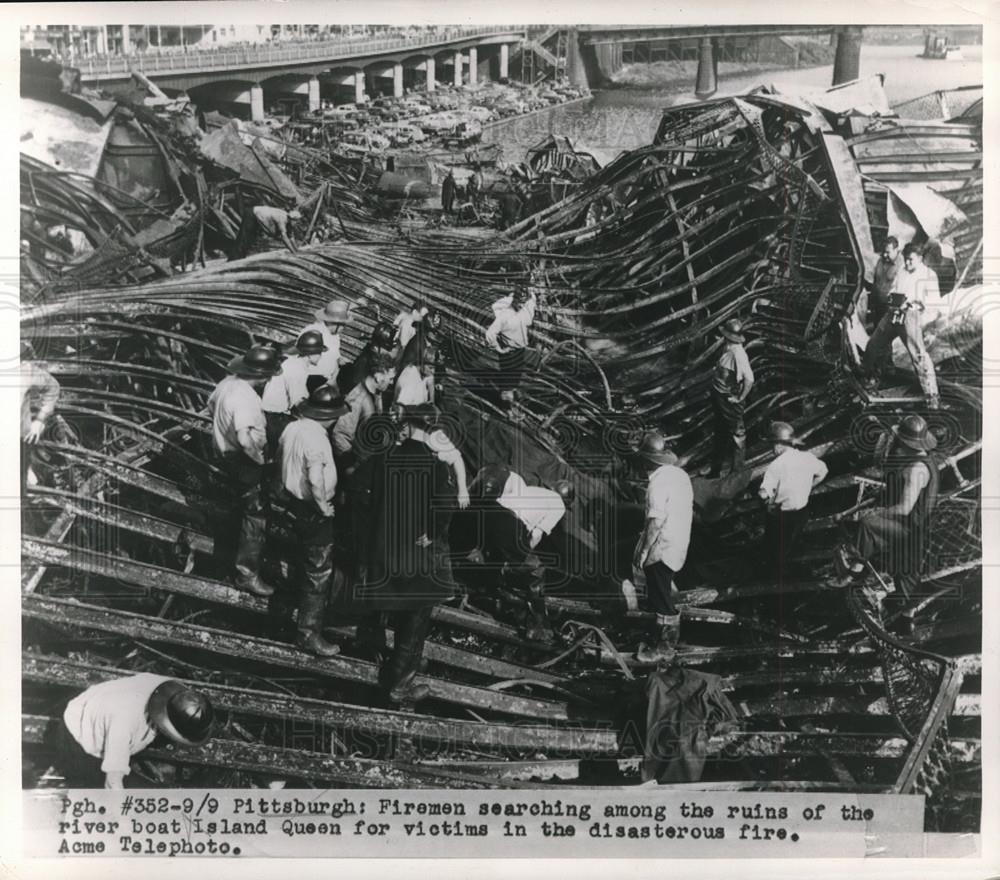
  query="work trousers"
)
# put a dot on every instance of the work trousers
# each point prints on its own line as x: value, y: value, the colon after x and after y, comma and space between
x: 511, y: 368
x: 79, y: 768
x: 729, y: 437
x: 247, y: 516
x: 314, y: 535
x: 879, y: 348
x: 781, y: 533
x: 659, y: 588
x: 411, y: 629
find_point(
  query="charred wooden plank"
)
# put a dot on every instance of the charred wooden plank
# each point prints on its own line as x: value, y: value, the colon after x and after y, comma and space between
x: 245, y: 701
x: 243, y: 647
x: 294, y: 763
x: 148, y: 576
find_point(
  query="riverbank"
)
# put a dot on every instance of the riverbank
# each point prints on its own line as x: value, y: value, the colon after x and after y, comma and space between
x: 668, y: 74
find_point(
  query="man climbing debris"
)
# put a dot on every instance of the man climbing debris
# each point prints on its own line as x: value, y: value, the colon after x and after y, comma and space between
x: 911, y: 289
x: 785, y: 489
x: 508, y: 335
x: 108, y: 724
x: 731, y: 384
x: 887, y: 267
x: 663, y: 545
x: 266, y: 219
x: 239, y: 441
x: 304, y: 492
x: 894, y: 536
x: 39, y: 398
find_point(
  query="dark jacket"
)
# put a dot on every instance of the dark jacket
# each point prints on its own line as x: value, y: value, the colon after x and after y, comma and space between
x: 684, y: 709
x: 399, y: 496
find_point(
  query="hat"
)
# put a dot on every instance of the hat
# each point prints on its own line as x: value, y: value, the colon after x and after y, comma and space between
x: 384, y: 335
x: 295, y: 214
x: 324, y: 403
x: 182, y: 714
x: 782, y: 432
x: 337, y: 311
x: 311, y: 342
x: 732, y: 329
x: 654, y: 448
x: 913, y: 432
x: 258, y: 362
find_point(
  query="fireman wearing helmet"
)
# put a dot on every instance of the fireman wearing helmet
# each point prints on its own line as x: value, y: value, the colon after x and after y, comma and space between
x: 290, y: 387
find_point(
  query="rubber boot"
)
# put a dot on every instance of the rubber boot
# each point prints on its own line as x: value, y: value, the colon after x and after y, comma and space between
x: 405, y: 661
x: 370, y: 638
x: 312, y: 605
x: 249, y: 550
x: 663, y: 651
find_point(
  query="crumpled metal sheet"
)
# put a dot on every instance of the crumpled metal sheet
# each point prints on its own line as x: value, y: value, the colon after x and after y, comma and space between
x: 61, y: 137
x: 225, y: 147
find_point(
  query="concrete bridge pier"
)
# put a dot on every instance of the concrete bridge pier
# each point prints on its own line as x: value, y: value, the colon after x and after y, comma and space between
x: 430, y: 75
x: 457, y: 74
x: 397, y: 80
x: 504, y: 61
x: 473, y: 66
x: 359, y: 87
x: 314, y: 99
x: 707, y: 81
x: 847, y: 62
x: 257, y: 103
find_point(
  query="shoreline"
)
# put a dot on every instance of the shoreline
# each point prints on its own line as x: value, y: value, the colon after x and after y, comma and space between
x: 669, y: 84
x: 496, y: 123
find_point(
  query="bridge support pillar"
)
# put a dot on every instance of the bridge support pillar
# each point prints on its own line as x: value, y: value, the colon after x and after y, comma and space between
x: 257, y: 103
x: 457, y: 79
x: 397, y: 80
x: 359, y: 87
x: 847, y: 62
x: 576, y: 69
x: 430, y: 80
x: 706, y: 83
x: 473, y: 66
x: 504, y: 61
x: 126, y: 40
x: 314, y: 100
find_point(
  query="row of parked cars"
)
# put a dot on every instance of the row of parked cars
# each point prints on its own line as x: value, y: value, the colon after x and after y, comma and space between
x: 450, y: 115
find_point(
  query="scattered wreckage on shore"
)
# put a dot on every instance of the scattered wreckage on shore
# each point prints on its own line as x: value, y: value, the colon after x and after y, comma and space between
x: 764, y: 206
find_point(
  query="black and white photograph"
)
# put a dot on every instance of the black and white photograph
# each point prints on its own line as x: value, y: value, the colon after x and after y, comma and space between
x: 540, y: 411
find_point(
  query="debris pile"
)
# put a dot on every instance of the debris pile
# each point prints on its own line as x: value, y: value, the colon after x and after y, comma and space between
x: 753, y: 207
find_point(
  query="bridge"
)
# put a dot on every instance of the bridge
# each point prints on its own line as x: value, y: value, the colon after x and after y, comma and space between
x: 588, y: 54
x: 595, y: 51
x: 307, y: 69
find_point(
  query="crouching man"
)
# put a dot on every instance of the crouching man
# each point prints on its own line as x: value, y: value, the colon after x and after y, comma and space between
x: 109, y: 723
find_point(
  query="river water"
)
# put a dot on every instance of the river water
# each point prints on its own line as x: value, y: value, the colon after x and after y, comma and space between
x: 626, y: 118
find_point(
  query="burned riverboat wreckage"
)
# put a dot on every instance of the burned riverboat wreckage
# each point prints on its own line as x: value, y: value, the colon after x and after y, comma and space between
x: 765, y: 208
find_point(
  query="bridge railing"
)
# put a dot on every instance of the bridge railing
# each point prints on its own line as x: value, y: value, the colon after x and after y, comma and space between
x: 269, y: 54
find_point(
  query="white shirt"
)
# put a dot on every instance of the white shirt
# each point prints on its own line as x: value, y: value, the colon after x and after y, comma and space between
x: 274, y: 221
x: 917, y: 285
x: 511, y: 326
x: 109, y: 719
x: 788, y: 479
x: 411, y: 387
x: 438, y: 443
x: 535, y: 506
x: 304, y: 444
x: 405, y: 321
x: 670, y: 500
x: 234, y: 405
x: 288, y: 388
x: 328, y: 364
